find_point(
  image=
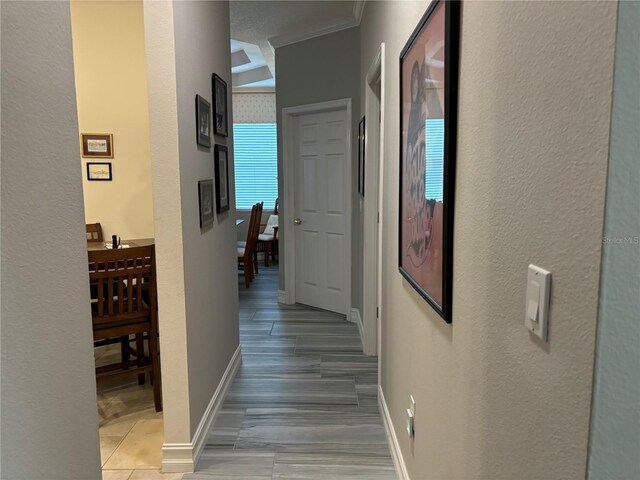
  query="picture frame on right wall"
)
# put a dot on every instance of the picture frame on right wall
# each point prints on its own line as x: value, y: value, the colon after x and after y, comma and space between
x: 361, y: 144
x: 428, y: 119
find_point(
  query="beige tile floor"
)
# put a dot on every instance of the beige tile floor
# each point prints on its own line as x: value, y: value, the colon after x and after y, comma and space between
x: 131, y: 431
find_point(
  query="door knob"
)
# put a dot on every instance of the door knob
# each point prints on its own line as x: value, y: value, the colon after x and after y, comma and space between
x: 297, y: 221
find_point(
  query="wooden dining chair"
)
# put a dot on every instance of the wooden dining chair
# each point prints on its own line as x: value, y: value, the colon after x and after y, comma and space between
x: 94, y: 232
x: 247, y: 250
x: 122, y: 278
x: 255, y: 234
x: 268, y: 239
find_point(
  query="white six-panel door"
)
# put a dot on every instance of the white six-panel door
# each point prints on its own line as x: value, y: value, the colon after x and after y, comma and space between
x: 321, y: 202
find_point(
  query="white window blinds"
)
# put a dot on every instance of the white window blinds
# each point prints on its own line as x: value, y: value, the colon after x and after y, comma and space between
x: 256, y: 164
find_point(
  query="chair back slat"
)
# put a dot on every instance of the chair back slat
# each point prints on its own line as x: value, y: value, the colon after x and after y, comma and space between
x: 94, y: 232
x: 123, y: 271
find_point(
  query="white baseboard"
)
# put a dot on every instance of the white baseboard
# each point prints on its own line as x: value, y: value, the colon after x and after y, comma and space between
x: 282, y: 296
x: 183, y: 457
x: 357, y: 319
x: 398, y: 460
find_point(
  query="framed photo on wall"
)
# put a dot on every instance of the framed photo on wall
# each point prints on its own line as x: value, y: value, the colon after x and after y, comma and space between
x: 361, y: 143
x: 205, y: 196
x: 99, y: 171
x: 203, y: 122
x: 97, y: 145
x: 220, y: 117
x: 428, y: 107
x: 222, y: 178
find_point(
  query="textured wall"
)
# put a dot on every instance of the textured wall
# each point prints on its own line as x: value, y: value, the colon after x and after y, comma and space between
x: 49, y: 416
x: 615, y: 431
x: 197, y: 277
x: 111, y: 88
x: 535, y: 102
x: 165, y: 170
x: 254, y: 107
x: 319, y: 70
x: 210, y: 263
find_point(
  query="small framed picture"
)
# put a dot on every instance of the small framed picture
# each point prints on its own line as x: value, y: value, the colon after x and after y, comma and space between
x: 361, y: 138
x: 203, y: 122
x: 97, y: 145
x: 219, y: 87
x: 205, y: 195
x: 99, y: 171
x: 222, y: 178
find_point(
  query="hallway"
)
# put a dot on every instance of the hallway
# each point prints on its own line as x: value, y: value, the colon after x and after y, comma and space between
x: 304, y: 402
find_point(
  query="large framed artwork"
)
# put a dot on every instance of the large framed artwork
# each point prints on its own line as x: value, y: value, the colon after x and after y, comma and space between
x: 222, y: 178
x: 428, y: 108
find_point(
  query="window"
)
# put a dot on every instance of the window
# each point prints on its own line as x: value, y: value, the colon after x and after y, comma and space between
x: 256, y: 164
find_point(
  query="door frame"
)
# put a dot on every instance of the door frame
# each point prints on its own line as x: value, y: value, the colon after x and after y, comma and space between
x: 287, y: 239
x: 372, y: 234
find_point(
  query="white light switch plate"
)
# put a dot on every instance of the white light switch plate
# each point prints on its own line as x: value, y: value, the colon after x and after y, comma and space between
x: 536, y: 317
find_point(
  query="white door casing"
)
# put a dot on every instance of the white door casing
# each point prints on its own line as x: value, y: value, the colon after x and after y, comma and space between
x: 317, y: 177
x: 372, y: 251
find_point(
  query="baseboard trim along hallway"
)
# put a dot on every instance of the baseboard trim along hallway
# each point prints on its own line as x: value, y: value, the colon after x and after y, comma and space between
x: 182, y: 457
x: 398, y: 459
x: 357, y: 319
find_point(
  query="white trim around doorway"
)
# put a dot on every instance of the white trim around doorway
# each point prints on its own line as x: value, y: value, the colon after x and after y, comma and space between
x: 372, y: 216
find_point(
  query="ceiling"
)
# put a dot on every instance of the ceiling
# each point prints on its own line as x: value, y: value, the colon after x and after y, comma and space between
x: 258, y: 27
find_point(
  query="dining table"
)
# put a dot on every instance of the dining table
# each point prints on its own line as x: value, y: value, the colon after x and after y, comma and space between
x: 135, y: 242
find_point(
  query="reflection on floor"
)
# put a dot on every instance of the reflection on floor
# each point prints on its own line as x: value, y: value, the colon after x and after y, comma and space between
x: 304, y: 403
x: 131, y: 432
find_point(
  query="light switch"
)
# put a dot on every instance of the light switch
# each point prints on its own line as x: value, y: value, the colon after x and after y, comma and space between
x: 537, y: 307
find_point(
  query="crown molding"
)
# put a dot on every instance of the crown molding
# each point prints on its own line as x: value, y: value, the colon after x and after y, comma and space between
x: 243, y: 90
x: 358, y: 9
x: 332, y: 26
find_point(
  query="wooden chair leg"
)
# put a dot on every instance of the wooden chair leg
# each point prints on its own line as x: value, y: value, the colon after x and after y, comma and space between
x: 124, y: 348
x: 140, y: 355
x: 247, y: 274
x: 155, y: 369
x: 266, y: 253
x: 255, y: 259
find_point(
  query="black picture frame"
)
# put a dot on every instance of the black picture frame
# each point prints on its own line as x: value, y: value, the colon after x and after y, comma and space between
x: 203, y: 122
x: 361, y: 163
x: 205, y: 201
x: 96, y: 172
x: 221, y: 167
x: 220, y: 113
x: 425, y: 228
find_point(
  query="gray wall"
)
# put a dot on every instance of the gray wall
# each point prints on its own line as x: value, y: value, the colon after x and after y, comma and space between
x: 318, y: 70
x: 210, y: 265
x: 49, y: 416
x: 615, y: 428
x: 532, y: 153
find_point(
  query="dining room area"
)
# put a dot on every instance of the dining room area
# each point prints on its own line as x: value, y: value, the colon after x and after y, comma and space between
x: 115, y: 163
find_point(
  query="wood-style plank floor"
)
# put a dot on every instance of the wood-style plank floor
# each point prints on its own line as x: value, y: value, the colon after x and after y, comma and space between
x: 304, y: 403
